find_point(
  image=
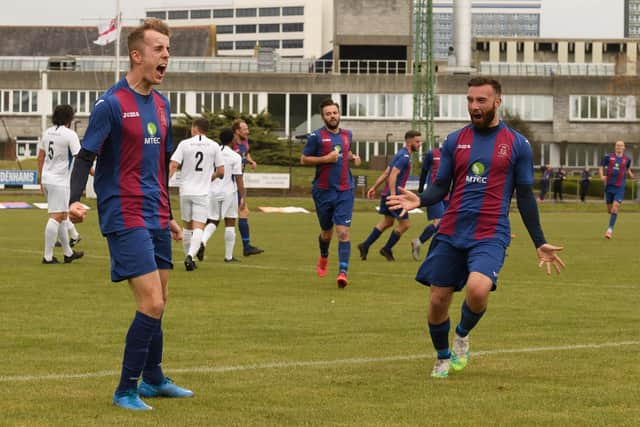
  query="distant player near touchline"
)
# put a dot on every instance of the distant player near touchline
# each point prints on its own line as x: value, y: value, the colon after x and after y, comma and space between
x: 200, y: 162
x: 223, y: 199
x: 59, y: 143
x: 428, y: 173
x: 618, y: 167
x: 329, y: 150
x: 394, y: 176
x: 480, y: 164
x: 241, y: 146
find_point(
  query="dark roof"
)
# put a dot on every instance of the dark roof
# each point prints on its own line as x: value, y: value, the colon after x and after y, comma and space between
x: 78, y: 41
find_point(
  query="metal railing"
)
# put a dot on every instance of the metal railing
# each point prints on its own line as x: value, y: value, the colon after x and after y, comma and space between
x: 546, y: 69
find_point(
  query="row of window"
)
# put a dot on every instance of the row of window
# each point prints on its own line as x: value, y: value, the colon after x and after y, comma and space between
x: 293, y: 27
x: 447, y: 106
x: 600, y: 107
x: 244, y: 12
x: 18, y: 101
x: 251, y: 44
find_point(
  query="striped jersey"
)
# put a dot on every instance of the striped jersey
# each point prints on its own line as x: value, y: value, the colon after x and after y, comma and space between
x: 331, y: 176
x: 402, y: 162
x: 484, y: 167
x: 198, y: 156
x: 59, y: 144
x: 242, y: 148
x: 616, y: 169
x: 131, y: 134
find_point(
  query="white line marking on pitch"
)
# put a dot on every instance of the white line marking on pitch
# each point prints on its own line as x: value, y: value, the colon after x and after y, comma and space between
x: 312, y: 363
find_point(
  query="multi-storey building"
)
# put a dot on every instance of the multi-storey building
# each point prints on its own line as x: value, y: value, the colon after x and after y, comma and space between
x: 632, y: 18
x: 293, y: 28
x: 501, y: 18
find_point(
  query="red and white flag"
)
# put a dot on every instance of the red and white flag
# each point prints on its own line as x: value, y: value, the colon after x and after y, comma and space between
x: 107, y: 32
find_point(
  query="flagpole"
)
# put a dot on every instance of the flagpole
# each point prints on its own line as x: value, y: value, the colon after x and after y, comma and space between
x: 118, y: 26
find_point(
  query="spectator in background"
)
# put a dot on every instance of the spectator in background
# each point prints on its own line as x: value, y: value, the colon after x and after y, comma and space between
x: 544, y: 182
x: 558, y: 177
x: 585, y: 179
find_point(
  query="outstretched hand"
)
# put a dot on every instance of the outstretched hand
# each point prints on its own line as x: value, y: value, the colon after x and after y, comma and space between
x: 547, y: 254
x: 406, y: 201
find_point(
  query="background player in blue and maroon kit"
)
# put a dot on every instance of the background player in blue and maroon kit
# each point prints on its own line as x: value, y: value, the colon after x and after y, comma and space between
x: 329, y: 150
x: 394, y: 176
x: 130, y: 132
x: 481, y: 163
x: 618, y: 167
x: 428, y: 172
x: 241, y: 146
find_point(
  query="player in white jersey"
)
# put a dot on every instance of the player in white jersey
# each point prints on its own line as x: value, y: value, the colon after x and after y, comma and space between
x: 200, y: 162
x: 58, y: 145
x: 223, y: 198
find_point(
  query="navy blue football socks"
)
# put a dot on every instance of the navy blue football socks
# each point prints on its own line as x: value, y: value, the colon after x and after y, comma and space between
x: 152, y: 372
x: 393, y: 239
x: 612, y: 220
x: 468, y: 320
x: 440, y: 338
x: 136, y: 350
x: 428, y: 231
x: 344, y: 252
x: 243, y: 227
x: 324, y: 247
x: 373, y: 236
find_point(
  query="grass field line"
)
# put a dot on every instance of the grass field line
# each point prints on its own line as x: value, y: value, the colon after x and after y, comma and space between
x: 406, y: 276
x: 314, y: 363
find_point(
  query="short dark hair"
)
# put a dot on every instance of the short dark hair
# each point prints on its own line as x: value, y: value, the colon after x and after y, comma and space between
x: 226, y: 136
x: 411, y: 134
x: 326, y: 103
x: 63, y: 115
x: 235, y: 125
x: 482, y: 81
x: 201, y: 124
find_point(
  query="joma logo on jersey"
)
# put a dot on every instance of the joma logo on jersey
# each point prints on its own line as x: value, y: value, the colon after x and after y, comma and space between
x: 477, y: 169
x: 129, y: 114
x: 463, y: 146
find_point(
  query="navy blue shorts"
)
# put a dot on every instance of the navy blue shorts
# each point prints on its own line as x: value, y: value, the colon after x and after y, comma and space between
x: 333, y: 207
x: 384, y: 210
x: 138, y: 251
x: 435, y: 211
x: 612, y: 194
x: 449, y: 267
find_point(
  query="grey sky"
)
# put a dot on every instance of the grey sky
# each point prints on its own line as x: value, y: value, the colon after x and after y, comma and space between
x: 560, y: 18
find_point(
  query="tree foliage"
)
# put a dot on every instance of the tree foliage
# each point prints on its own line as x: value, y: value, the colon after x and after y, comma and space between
x: 266, y: 148
x: 514, y: 121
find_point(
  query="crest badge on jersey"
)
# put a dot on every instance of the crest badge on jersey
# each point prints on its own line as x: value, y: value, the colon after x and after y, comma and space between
x: 503, y: 150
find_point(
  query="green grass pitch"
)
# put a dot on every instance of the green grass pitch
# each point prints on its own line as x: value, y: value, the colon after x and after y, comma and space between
x: 267, y: 343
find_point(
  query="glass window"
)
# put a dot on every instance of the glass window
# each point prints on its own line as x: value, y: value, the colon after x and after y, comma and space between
x: 224, y: 29
x: 269, y: 28
x: 34, y: 101
x: 275, y: 44
x: 254, y: 100
x: 245, y: 12
x: 82, y: 105
x: 292, y: 27
x: 178, y: 14
x: 201, y: 14
x: 223, y: 13
x: 245, y: 103
x: 225, y: 45
x: 25, y: 101
x: 93, y: 97
x: 269, y: 11
x: 244, y: 29
x: 245, y: 44
x: 293, y: 11
x: 160, y: 14
x: 16, y: 101
x: 584, y: 107
x: 292, y: 44
x: 73, y: 99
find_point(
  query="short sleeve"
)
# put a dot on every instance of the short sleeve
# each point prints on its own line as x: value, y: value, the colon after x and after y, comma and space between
x: 311, y: 147
x: 177, y: 155
x: 99, y: 127
x: 74, y: 143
